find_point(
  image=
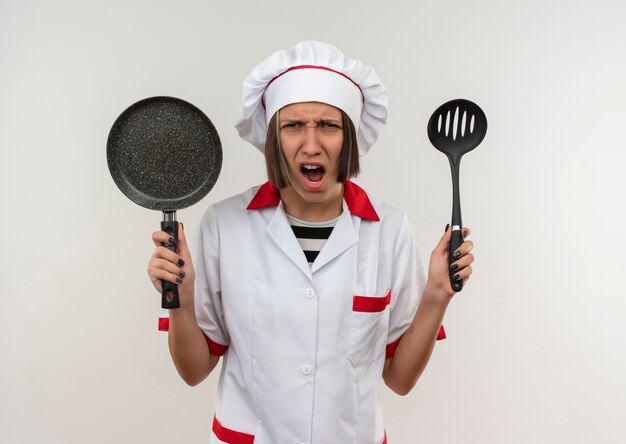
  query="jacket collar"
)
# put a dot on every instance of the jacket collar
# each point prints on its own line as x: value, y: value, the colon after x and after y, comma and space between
x: 356, y: 199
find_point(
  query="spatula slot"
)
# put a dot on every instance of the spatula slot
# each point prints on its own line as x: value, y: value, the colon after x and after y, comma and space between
x: 455, y: 126
x: 463, y: 121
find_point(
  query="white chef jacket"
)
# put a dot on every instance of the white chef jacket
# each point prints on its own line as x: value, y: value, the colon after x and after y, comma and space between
x: 303, y: 346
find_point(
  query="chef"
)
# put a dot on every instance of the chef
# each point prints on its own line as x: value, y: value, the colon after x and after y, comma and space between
x: 310, y: 289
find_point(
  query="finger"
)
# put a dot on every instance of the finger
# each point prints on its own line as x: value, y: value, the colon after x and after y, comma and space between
x: 164, y: 253
x: 161, y: 237
x: 183, y: 247
x: 443, y: 244
x: 462, y: 274
x: 168, y: 266
x: 466, y: 232
x: 164, y: 275
x: 464, y: 249
x: 156, y: 238
x: 462, y: 262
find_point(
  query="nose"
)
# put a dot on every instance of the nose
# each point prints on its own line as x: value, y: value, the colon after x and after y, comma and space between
x: 311, y: 144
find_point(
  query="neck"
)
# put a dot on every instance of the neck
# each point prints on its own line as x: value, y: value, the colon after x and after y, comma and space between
x: 313, y: 211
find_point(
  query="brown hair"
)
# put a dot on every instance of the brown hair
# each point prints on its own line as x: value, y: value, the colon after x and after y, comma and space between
x: 275, y: 160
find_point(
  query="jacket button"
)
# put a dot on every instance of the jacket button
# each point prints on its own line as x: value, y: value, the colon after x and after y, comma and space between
x: 309, y: 293
x: 306, y: 370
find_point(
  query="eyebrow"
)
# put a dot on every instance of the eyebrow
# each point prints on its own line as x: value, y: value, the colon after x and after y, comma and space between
x: 322, y: 120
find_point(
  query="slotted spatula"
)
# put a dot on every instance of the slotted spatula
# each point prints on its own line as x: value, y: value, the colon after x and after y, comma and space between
x: 456, y: 128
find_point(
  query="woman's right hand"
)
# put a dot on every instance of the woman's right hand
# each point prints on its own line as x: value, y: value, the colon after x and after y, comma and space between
x: 176, y: 268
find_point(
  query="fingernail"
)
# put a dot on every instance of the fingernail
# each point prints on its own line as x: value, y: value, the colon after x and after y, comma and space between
x: 181, y: 262
x: 456, y: 277
x: 181, y: 224
x: 172, y: 240
x: 447, y: 226
x: 453, y: 267
x: 457, y: 254
x: 179, y: 280
x: 182, y: 273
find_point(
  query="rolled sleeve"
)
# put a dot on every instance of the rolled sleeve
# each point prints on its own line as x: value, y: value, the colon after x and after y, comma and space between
x: 409, y: 282
x: 208, y: 295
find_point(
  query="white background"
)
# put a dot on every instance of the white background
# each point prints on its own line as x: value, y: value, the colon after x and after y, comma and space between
x: 535, y: 349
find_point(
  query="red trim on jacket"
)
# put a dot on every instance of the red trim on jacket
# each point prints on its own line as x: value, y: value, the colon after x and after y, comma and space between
x: 230, y: 436
x: 215, y: 348
x: 358, y: 202
x: 391, y: 348
x: 367, y: 304
x: 266, y: 196
x: 356, y: 199
x: 442, y: 334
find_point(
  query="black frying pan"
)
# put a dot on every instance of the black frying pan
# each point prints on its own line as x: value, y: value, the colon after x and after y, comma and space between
x: 164, y: 154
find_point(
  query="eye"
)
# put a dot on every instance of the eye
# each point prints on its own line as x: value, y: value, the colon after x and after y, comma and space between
x: 329, y: 125
x: 291, y: 126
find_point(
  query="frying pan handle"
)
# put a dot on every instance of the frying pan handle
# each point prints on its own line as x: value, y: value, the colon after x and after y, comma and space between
x: 169, y: 295
x: 455, y: 242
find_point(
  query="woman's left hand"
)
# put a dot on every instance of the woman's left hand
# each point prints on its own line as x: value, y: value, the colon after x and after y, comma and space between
x: 439, y: 270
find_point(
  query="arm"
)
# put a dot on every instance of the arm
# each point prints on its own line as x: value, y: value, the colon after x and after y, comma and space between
x: 187, y: 343
x: 188, y: 347
x: 402, y: 371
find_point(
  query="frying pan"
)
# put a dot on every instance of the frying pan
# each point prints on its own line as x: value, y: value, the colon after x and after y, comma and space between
x: 456, y: 128
x: 164, y: 154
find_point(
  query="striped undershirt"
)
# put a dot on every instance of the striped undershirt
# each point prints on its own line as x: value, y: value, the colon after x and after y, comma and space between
x: 311, y: 235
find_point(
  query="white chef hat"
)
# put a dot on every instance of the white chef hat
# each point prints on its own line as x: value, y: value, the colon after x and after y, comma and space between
x: 313, y: 72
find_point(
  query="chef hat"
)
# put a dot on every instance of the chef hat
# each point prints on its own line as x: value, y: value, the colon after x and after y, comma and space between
x: 313, y: 72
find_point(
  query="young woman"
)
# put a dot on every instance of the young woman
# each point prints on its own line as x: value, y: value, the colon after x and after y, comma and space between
x: 311, y: 289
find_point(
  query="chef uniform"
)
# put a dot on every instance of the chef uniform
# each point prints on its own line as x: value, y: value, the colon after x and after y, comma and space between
x: 304, y: 345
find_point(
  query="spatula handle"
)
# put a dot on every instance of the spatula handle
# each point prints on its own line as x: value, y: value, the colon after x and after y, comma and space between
x: 457, y: 225
x: 455, y: 242
x: 169, y: 295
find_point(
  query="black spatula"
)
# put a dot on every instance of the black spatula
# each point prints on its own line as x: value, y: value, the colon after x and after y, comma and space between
x: 455, y: 128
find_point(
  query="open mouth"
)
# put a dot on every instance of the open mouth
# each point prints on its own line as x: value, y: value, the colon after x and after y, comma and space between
x: 313, y: 173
